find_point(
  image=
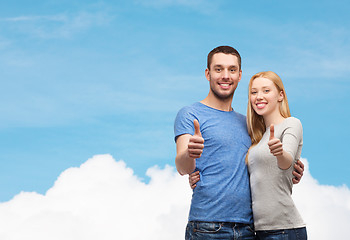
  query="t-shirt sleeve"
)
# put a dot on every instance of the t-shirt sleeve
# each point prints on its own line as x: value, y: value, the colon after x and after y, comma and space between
x: 184, y: 122
x: 292, y: 137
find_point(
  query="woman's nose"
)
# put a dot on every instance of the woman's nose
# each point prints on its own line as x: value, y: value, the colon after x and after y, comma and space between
x: 258, y: 95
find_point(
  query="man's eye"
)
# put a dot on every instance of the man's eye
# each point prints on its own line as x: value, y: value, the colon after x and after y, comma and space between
x: 233, y: 70
x: 218, y: 69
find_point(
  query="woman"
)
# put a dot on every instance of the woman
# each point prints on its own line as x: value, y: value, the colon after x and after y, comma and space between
x: 276, y: 145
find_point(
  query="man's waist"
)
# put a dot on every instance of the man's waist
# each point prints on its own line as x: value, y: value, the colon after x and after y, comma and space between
x: 232, y: 220
x: 241, y: 213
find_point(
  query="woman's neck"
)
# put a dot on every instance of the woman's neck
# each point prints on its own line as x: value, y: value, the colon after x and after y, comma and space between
x: 275, y: 118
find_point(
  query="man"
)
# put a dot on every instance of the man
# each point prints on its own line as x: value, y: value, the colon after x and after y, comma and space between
x: 212, y: 138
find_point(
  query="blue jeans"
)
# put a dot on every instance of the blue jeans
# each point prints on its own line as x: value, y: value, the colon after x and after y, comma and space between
x: 219, y: 230
x: 283, y: 234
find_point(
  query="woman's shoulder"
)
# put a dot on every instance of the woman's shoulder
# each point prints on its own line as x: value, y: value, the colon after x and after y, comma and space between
x: 293, y: 120
x: 293, y: 123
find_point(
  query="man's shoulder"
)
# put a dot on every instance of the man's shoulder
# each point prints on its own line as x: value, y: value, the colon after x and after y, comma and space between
x: 189, y: 108
x: 241, y: 117
x: 194, y: 105
x: 186, y: 112
x: 184, y: 120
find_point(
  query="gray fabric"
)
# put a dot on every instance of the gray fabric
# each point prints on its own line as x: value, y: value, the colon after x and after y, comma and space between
x: 271, y: 187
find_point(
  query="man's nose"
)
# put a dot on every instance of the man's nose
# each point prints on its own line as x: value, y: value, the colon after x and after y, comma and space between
x: 225, y: 74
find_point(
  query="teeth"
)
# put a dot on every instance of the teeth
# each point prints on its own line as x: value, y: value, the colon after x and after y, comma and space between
x: 260, y: 105
x: 224, y: 84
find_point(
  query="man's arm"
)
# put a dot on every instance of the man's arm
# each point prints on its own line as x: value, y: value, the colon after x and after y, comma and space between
x: 188, y: 148
x: 298, y: 172
x: 184, y: 164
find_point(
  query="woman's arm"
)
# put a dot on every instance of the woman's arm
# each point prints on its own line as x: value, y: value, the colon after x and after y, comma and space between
x: 193, y: 178
x: 284, y: 159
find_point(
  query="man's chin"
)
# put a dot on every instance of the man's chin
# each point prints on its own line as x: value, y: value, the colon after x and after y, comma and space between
x: 224, y: 96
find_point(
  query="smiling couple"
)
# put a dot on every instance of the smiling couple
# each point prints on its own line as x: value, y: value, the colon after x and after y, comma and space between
x: 241, y: 168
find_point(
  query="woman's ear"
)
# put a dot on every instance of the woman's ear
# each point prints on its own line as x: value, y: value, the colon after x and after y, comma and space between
x: 281, y: 96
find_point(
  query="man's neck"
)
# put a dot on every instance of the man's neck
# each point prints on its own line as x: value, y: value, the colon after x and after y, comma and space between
x: 219, y: 104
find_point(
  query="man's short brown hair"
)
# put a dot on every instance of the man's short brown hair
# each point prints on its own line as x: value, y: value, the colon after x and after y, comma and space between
x: 226, y: 50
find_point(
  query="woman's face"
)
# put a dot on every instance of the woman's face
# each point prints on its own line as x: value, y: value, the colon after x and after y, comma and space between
x: 264, y: 97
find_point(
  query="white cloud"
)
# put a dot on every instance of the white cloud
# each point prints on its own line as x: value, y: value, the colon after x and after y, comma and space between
x: 103, y: 199
x: 325, y: 209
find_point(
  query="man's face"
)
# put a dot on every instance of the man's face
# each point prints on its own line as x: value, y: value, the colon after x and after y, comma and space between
x: 224, y: 75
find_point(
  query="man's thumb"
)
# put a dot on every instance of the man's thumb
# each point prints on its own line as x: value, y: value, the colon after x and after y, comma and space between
x: 272, y: 131
x: 197, y: 130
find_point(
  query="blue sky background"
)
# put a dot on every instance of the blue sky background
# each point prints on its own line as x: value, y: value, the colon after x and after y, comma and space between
x: 80, y: 78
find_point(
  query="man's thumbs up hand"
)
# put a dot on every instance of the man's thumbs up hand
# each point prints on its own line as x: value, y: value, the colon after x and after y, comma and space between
x: 196, y: 142
x: 275, y: 145
x: 197, y: 128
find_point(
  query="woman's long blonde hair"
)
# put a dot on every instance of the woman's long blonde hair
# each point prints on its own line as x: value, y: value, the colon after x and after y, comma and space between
x: 255, y: 123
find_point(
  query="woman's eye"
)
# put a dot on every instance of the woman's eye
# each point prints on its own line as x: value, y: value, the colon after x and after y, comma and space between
x: 266, y: 90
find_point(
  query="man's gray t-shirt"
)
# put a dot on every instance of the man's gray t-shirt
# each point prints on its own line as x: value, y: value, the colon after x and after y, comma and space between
x: 271, y: 187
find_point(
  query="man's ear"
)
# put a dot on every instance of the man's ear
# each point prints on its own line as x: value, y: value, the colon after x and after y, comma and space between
x: 207, y: 73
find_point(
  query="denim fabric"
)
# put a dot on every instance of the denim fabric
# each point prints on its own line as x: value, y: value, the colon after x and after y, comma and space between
x: 216, y: 230
x: 283, y: 234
